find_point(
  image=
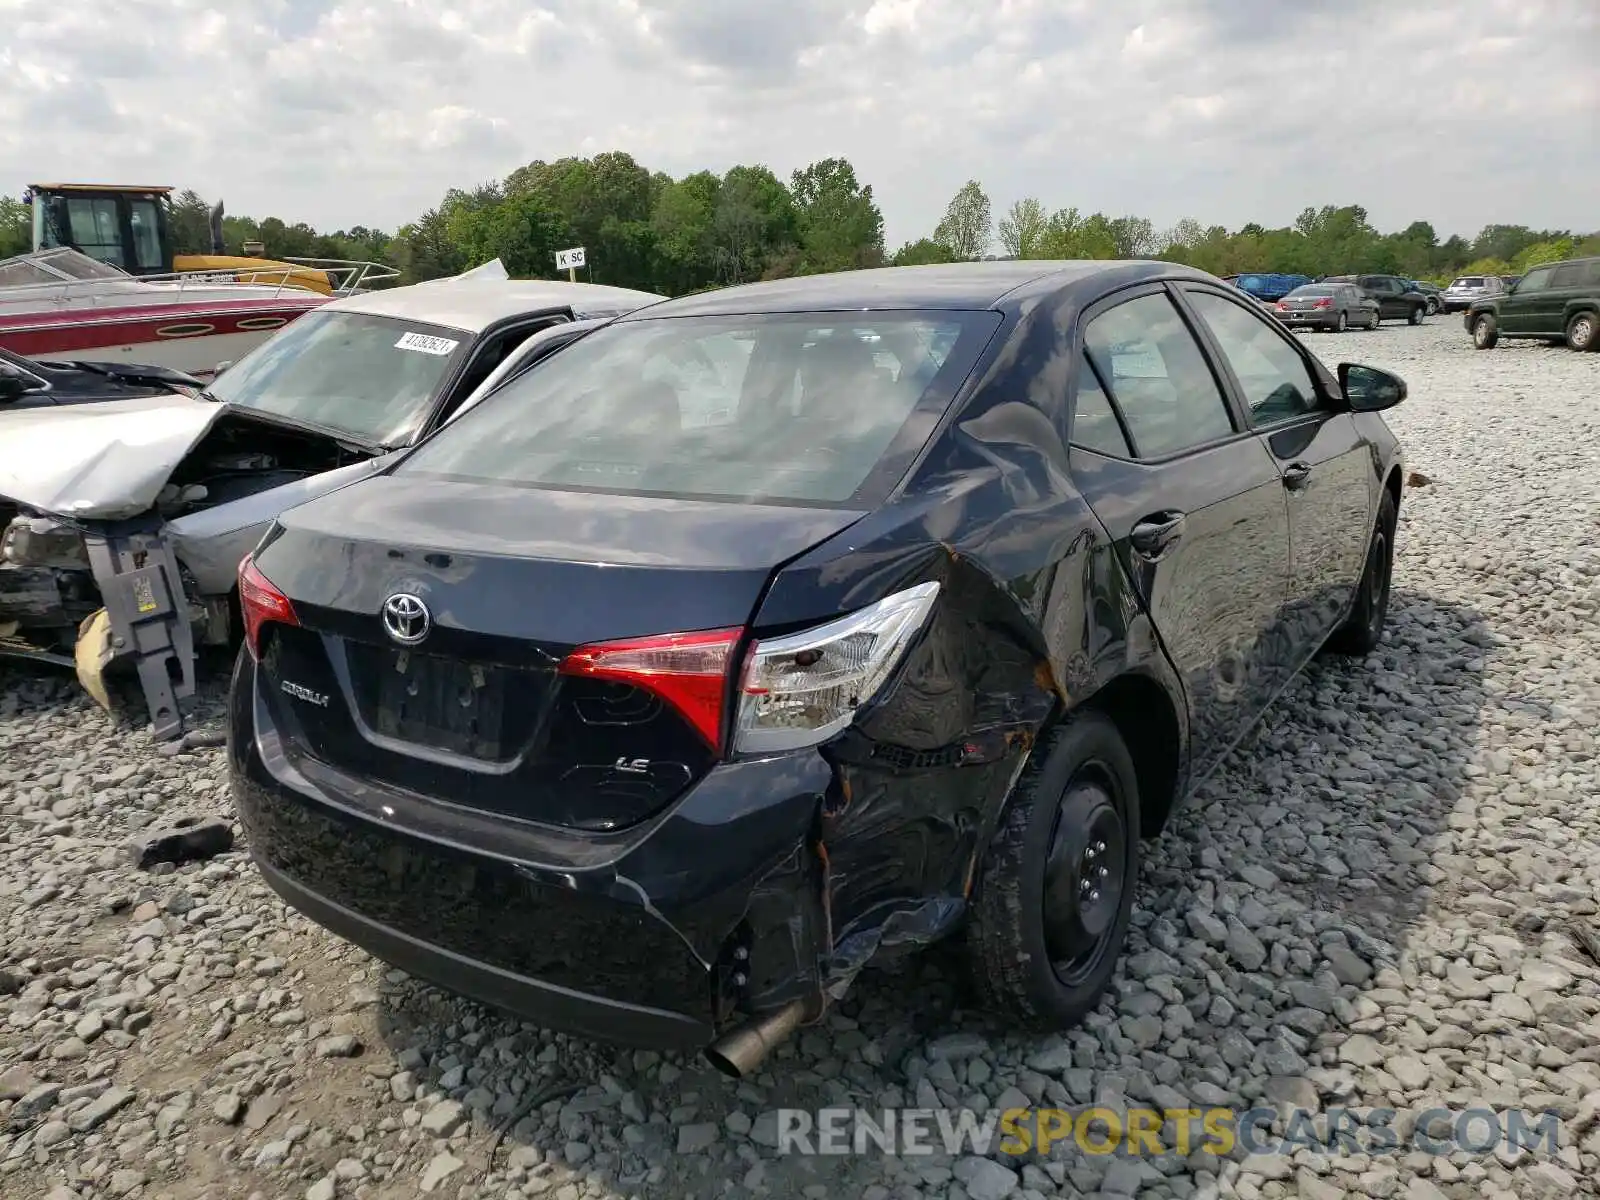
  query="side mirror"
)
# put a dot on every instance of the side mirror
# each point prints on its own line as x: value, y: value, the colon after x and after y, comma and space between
x: 1367, y: 389
x: 14, y: 387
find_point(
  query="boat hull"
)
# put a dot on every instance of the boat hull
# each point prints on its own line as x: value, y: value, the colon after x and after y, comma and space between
x: 188, y: 338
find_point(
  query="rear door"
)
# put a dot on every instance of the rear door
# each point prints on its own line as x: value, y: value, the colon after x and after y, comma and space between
x: 1322, y: 458
x: 1566, y: 285
x: 1194, y: 504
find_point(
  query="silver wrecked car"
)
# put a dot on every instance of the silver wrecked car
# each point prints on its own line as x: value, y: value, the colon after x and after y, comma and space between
x: 122, y: 523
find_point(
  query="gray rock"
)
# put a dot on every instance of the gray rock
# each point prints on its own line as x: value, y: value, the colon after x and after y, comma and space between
x: 444, y: 1118
x: 985, y: 1179
x: 440, y: 1168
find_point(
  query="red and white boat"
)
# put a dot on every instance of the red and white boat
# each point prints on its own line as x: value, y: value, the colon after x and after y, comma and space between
x: 61, y: 305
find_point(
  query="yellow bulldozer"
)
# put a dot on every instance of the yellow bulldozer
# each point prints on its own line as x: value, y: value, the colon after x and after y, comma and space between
x: 127, y: 226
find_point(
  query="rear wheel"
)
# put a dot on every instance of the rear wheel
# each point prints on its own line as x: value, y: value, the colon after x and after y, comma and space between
x: 1344, y: 321
x: 1363, y: 629
x: 1583, y: 331
x: 1414, y: 317
x: 1056, y: 890
x: 1485, y: 333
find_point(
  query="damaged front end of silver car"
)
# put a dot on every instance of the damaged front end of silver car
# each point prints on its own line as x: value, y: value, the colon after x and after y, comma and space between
x: 121, y: 525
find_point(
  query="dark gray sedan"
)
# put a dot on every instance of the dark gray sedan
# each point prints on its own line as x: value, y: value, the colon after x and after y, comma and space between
x: 1335, y: 306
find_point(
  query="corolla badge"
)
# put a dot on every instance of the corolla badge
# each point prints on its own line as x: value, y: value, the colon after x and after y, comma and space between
x: 406, y: 618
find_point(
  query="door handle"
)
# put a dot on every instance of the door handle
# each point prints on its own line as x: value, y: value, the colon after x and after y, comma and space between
x: 1153, y: 537
x: 1296, y: 475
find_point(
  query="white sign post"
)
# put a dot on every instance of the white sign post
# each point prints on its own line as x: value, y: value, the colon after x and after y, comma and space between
x: 569, y: 261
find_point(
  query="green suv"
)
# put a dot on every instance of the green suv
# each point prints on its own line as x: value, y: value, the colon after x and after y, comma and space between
x: 1558, y: 302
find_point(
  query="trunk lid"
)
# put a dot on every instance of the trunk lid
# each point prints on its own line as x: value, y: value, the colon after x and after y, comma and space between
x: 514, y: 579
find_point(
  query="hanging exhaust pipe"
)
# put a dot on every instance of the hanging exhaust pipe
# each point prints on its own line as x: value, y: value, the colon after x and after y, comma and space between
x: 739, y: 1053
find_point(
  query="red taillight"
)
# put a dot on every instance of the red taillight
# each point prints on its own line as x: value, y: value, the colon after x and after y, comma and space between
x: 260, y: 602
x: 1282, y: 307
x: 687, y: 670
x: 1325, y: 302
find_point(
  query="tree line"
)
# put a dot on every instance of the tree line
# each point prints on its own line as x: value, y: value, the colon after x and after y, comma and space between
x: 644, y: 229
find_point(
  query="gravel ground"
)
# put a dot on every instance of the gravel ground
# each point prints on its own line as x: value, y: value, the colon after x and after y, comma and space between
x: 1369, y: 907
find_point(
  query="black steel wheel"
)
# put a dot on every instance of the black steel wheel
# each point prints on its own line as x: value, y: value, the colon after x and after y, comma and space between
x: 1363, y: 629
x: 1053, y: 899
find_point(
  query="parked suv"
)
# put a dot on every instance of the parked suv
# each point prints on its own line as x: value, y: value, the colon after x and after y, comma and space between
x: 1559, y: 302
x: 1398, y: 299
x: 1461, y: 294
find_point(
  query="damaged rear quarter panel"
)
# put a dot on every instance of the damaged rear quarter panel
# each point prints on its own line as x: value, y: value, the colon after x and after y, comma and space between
x: 1035, y: 615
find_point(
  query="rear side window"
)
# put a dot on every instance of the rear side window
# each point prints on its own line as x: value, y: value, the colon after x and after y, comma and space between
x: 1567, y: 275
x: 1591, y: 273
x: 810, y: 408
x: 1160, y: 381
x: 1094, y: 423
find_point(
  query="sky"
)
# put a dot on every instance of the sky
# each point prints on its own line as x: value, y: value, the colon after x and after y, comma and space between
x: 346, y: 112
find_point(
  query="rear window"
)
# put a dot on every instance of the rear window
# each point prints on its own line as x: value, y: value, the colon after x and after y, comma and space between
x: 1469, y: 281
x: 814, y: 408
x: 1313, y: 290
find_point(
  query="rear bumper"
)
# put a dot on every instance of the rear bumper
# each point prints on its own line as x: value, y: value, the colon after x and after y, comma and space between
x: 1315, y: 320
x: 661, y: 935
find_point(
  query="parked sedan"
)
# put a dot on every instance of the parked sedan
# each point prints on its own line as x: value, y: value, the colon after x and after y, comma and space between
x: 1328, y: 306
x: 1398, y: 299
x: 960, y: 580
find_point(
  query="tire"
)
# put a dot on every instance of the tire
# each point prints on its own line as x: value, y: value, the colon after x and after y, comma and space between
x: 1583, y: 331
x: 1414, y: 317
x: 1433, y: 308
x: 1363, y: 628
x: 1485, y: 332
x: 1343, y: 323
x: 1076, y: 805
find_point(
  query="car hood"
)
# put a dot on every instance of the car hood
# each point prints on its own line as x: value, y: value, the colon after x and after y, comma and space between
x: 103, y: 461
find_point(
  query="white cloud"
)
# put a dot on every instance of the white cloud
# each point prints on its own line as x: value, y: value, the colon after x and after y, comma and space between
x: 341, y: 112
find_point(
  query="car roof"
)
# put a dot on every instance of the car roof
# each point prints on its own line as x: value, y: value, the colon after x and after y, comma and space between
x: 996, y: 284
x: 472, y: 305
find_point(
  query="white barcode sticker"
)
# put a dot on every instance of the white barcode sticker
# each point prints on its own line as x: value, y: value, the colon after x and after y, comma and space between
x: 426, y: 343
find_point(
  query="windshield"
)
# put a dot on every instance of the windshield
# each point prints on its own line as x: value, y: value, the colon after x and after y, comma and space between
x: 371, y: 377
x: 805, y: 408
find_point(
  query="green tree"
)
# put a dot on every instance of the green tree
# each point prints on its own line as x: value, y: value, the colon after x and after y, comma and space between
x: 684, y: 225
x: 966, y: 227
x: 518, y: 230
x: 1135, y: 237
x: 839, y: 222
x: 16, y: 227
x: 754, y: 225
x: 189, y: 223
x: 1069, y: 235
x: 1022, y: 228
x: 922, y: 252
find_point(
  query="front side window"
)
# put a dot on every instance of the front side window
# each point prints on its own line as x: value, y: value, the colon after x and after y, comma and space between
x: 1276, y: 382
x: 371, y: 377
x: 1533, y: 281
x: 1146, y: 355
x: 813, y: 408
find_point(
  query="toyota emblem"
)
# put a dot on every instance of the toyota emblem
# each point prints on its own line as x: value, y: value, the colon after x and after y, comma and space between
x: 406, y: 618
